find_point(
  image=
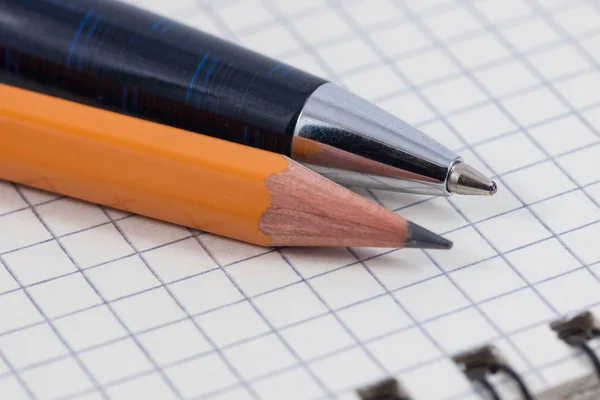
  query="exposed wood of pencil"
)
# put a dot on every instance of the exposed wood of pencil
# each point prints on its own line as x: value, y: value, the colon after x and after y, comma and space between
x: 308, y: 209
x: 181, y: 177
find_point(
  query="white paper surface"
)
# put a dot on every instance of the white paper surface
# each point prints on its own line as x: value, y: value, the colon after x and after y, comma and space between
x: 95, y: 303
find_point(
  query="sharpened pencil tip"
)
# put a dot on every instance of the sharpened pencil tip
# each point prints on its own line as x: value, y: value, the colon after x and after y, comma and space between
x: 419, y: 237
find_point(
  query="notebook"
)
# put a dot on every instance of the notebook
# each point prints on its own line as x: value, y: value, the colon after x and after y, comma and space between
x: 100, y: 304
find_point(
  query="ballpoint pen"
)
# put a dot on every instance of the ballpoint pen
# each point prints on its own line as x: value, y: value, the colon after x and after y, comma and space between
x: 115, y: 56
x: 192, y: 180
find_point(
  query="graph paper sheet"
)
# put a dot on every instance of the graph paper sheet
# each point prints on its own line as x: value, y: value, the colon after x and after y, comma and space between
x: 98, y: 304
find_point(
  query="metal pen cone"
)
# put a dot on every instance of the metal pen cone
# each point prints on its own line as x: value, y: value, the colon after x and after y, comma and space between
x: 355, y: 143
x: 419, y: 237
x: 465, y: 179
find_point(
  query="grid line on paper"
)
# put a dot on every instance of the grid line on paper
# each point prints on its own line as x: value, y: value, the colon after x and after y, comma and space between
x: 72, y: 353
x: 273, y: 330
x: 423, y: 331
x: 16, y: 374
x: 278, y: 15
x: 421, y: 26
x: 284, y: 327
x: 321, y: 62
x: 183, y: 308
x: 466, y: 72
x: 513, y: 119
x: 82, y: 273
x: 318, y: 275
x: 236, y: 34
x: 432, y: 107
x: 143, y: 373
x: 295, y: 34
x: 554, y: 91
x: 265, y: 293
x: 283, y: 371
x: 483, y: 67
x: 562, y: 33
x: 575, y: 112
x: 49, y: 361
x: 439, y: 9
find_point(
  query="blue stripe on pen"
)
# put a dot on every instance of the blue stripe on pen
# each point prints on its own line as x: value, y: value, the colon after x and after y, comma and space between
x: 211, y: 69
x: 82, y: 24
x: 206, y: 78
x: 168, y: 27
x: 225, y: 75
x: 87, y: 39
x: 191, y: 85
x: 245, y: 134
x: 157, y: 24
x: 275, y: 68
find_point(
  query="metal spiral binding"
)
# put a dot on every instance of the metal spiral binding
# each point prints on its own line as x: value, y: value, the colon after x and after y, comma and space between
x: 477, y: 363
x: 385, y: 389
x: 577, y: 331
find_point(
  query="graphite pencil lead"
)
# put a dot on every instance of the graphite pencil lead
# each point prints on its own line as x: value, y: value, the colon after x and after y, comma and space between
x: 425, y: 239
x: 465, y: 179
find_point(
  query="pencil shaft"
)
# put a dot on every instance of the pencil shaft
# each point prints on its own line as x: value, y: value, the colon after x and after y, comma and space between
x: 183, y: 178
x: 135, y: 165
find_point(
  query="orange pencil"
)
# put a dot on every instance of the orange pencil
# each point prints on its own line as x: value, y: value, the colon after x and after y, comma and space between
x: 187, y: 178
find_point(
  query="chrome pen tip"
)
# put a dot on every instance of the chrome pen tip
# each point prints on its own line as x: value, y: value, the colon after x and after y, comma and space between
x: 464, y: 179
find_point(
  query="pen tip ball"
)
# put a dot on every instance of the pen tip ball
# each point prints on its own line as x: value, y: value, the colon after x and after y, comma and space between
x: 464, y: 179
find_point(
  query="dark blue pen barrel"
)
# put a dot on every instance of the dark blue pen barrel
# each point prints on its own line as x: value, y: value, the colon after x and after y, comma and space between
x: 110, y: 55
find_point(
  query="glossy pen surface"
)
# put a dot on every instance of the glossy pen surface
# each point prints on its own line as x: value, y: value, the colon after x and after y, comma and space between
x: 120, y: 58
x: 111, y: 55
